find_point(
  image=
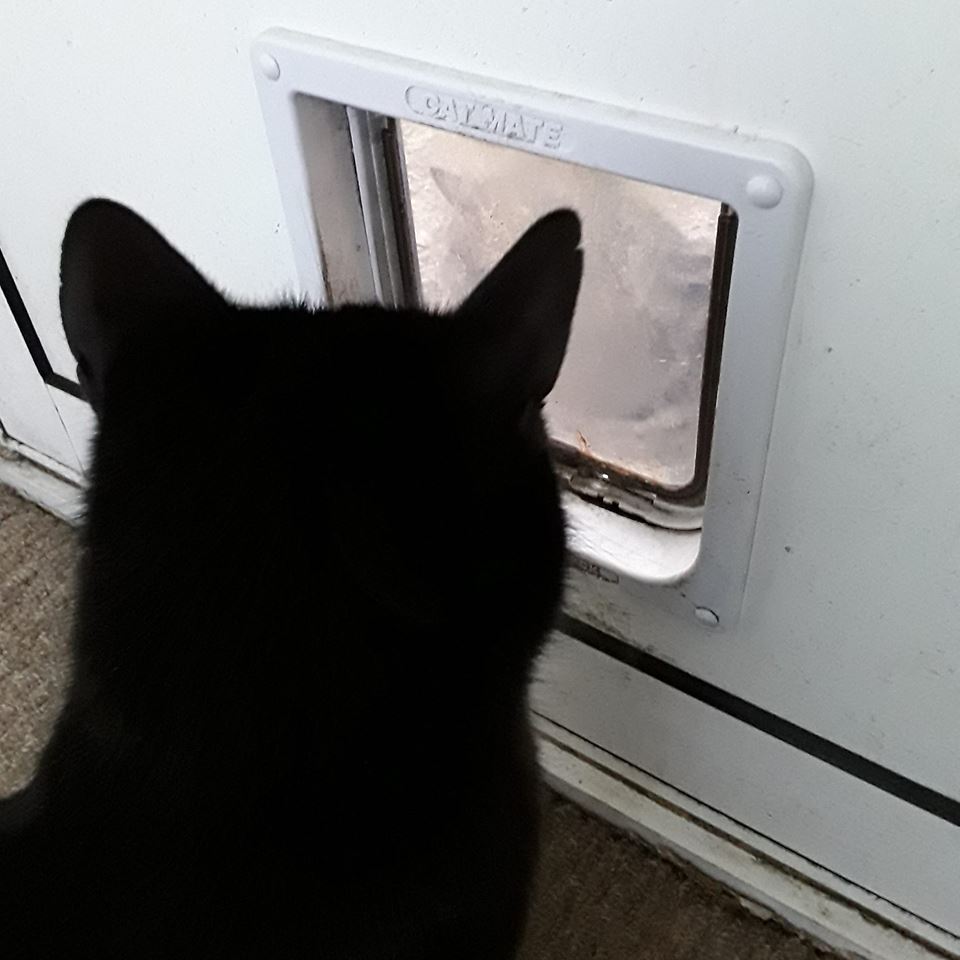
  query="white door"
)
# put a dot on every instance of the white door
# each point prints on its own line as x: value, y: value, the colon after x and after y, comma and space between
x: 41, y: 412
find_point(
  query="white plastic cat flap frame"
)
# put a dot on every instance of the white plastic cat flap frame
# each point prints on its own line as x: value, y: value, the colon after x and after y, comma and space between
x: 322, y: 102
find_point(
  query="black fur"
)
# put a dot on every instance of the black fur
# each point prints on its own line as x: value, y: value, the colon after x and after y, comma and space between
x: 321, y: 552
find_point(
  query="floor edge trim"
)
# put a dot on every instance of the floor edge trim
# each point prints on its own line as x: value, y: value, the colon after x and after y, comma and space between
x: 770, y: 879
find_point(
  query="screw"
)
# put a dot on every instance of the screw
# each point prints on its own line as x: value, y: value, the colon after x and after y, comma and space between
x: 269, y: 66
x: 706, y: 616
x: 764, y: 191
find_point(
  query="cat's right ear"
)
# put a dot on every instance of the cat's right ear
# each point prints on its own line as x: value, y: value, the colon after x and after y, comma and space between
x: 517, y: 321
x: 117, y: 272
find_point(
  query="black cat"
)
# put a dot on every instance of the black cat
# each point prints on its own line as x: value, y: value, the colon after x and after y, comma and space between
x: 322, y: 549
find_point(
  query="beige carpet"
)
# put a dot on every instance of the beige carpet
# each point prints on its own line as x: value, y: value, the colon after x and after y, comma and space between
x: 601, y: 895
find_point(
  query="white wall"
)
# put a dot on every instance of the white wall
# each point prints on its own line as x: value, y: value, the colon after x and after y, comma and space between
x: 852, y: 632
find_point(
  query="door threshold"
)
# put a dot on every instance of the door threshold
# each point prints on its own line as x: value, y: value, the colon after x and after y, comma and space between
x: 40, y: 480
x: 767, y: 878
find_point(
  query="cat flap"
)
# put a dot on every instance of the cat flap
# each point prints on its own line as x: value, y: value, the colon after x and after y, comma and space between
x: 517, y: 320
x: 116, y: 271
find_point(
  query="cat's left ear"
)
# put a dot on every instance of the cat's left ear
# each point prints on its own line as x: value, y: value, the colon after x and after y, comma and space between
x: 116, y: 273
x: 516, y: 323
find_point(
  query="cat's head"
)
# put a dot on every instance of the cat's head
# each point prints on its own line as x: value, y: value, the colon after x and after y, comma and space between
x: 401, y: 449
